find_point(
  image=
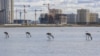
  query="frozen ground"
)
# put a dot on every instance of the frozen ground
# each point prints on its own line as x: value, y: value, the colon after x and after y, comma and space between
x: 69, y: 41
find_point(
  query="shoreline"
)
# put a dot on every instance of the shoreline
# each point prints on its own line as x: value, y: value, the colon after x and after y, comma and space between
x: 49, y: 25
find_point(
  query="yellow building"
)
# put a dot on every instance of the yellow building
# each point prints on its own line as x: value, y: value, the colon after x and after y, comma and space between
x: 93, y: 17
x: 83, y: 16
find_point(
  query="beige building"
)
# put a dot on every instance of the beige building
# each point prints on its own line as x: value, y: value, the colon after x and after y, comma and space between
x: 57, y: 18
x: 93, y: 17
x: 11, y: 11
x: 63, y: 19
x: 83, y: 16
x: 53, y: 12
x: 54, y: 16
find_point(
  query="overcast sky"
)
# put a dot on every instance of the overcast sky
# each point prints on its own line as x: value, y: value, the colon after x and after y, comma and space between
x: 68, y: 6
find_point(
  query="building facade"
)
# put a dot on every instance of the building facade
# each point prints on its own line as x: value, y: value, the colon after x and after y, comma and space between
x: 53, y: 13
x: 71, y: 18
x: 11, y: 11
x: 42, y: 19
x: 61, y: 19
x: 98, y: 21
x: 5, y: 11
x: 52, y: 17
x: 83, y: 16
x: 93, y: 18
x: 22, y: 21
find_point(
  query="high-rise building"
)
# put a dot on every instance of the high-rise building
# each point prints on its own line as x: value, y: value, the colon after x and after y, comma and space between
x: 98, y: 21
x: 46, y: 19
x: 93, y: 18
x: 54, y: 16
x: 11, y: 11
x: 43, y: 18
x: 53, y: 12
x: 83, y: 16
x: 5, y: 11
x: 61, y: 19
x: 71, y: 18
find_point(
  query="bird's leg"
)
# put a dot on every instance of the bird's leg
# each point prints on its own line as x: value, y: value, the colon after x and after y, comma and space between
x: 49, y: 37
x: 52, y: 36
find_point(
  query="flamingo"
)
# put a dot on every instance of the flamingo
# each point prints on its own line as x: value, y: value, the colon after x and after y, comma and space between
x: 88, y: 36
x: 49, y: 35
x: 7, y: 35
x: 28, y: 34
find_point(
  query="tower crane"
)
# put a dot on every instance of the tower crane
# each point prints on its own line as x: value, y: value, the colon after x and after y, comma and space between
x: 36, y: 14
x: 24, y: 10
x: 48, y: 5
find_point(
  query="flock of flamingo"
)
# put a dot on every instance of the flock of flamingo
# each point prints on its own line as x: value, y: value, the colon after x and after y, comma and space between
x: 49, y: 35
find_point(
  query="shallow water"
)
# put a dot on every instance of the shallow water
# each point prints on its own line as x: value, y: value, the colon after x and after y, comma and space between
x: 69, y: 41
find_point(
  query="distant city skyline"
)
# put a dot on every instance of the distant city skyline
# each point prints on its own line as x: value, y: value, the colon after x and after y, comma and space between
x: 68, y: 6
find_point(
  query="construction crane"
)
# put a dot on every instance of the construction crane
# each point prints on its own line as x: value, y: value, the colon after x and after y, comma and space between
x: 48, y: 5
x: 20, y: 13
x: 36, y: 14
x: 24, y: 10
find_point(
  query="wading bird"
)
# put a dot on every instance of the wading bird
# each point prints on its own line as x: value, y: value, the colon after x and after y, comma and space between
x: 88, y: 36
x: 7, y: 35
x: 49, y: 35
x: 28, y: 34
